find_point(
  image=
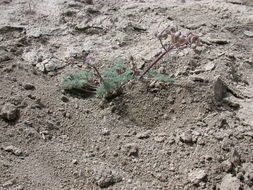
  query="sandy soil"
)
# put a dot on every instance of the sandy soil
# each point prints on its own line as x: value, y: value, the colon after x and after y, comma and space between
x: 195, y: 133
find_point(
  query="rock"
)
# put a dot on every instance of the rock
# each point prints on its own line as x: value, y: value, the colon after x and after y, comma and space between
x: 226, y: 166
x: 235, y: 158
x: 5, y: 163
x: 9, y: 112
x: 209, y: 66
x: 9, y: 183
x: 14, y: 150
x: 159, y: 139
x: 105, y: 132
x: 196, y: 78
x: 130, y: 149
x: 89, y: 30
x: 106, y: 177
x: 218, y: 41
x: 28, y: 86
x: 64, y: 98
x: 4, y: 58
x: 89, y: 2
x: 52, y: 64
x: 220, y: 89
x: 248, y: 34
x: 196, y: 176
x: 247, y: 169
x: 143, y: 135
x: 161, y: 70
x: 230, y: 183
x: 186, y: 137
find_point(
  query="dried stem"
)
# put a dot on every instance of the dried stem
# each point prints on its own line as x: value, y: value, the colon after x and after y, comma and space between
x: 98, y: 73
x: 155, y: 61
x: 177, y: 41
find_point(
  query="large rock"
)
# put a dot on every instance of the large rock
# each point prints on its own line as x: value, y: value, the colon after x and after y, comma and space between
x: 196, y: 176
x: 52, y: 64
x: 220, y: 89
x: 230, y: 183
x: 9, y: 112
x: 106, y: 177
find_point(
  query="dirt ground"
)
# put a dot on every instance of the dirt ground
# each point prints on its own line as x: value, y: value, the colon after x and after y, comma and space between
x: 196, y: 133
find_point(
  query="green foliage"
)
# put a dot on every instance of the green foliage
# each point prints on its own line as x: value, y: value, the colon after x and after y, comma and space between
x: 113, y: 78
x: 110, y: 85
x: 163, y: 78
x: 75, y: 80
x: 153, y: 75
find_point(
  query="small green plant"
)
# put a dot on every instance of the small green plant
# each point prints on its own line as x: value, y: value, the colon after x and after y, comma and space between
x: 113, y: 78
x: 110, y: 81
x: 76, y: 80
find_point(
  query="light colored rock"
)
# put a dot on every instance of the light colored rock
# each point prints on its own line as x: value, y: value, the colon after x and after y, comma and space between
x: 143, y: 135
x: 197, y: 176
x: 248, y: 173
x: 106, y: 177
x: 186, y: 137
x: 14, y: 150
x: 106, y: 132
x: 226, y: 166
x: 230, y: 183
x: 9, y: 183
x: 248, y: 34
x: 52, y: 64
x: 209, y: 66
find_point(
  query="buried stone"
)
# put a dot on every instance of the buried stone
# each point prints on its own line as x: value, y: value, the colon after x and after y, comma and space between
x: 9, y: 112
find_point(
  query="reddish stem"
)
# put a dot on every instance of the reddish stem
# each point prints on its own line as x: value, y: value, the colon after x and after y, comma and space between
x: 98, y: 73
x: 154, y: 62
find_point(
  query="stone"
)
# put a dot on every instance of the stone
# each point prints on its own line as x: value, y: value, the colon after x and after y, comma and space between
x: 130, y: 149
x: 229, y: 182
x: 107, y: 177
x: 247, y: 169
x: 105, y: 132
x: 220, y: 89
x: 28, y: 86
x: 52, y: 64
x: 9, y: 112
x: 209, y: 66
x: 248, y: 34
x: 14, y: 150
x: 186, y: 137
x: 196, y: 176
x: 64, y: 98
x: 143, y: 135
x: 197, y: 78
x: 9, y: 183
x: 219, y: 41
x: 235, y: 157
x: 226, y: 166
x: 5, y: 163
x: 161, y: 70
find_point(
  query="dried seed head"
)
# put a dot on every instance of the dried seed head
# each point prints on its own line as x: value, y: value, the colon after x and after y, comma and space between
x: 182, y: 40
x: 194, y: 39
x: 90, y: 60
x: 193, y: 46
x: 173, y: 28
x: 177, y: 34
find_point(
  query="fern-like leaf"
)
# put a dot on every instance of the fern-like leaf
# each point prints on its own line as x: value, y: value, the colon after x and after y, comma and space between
x: 75, y: 80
